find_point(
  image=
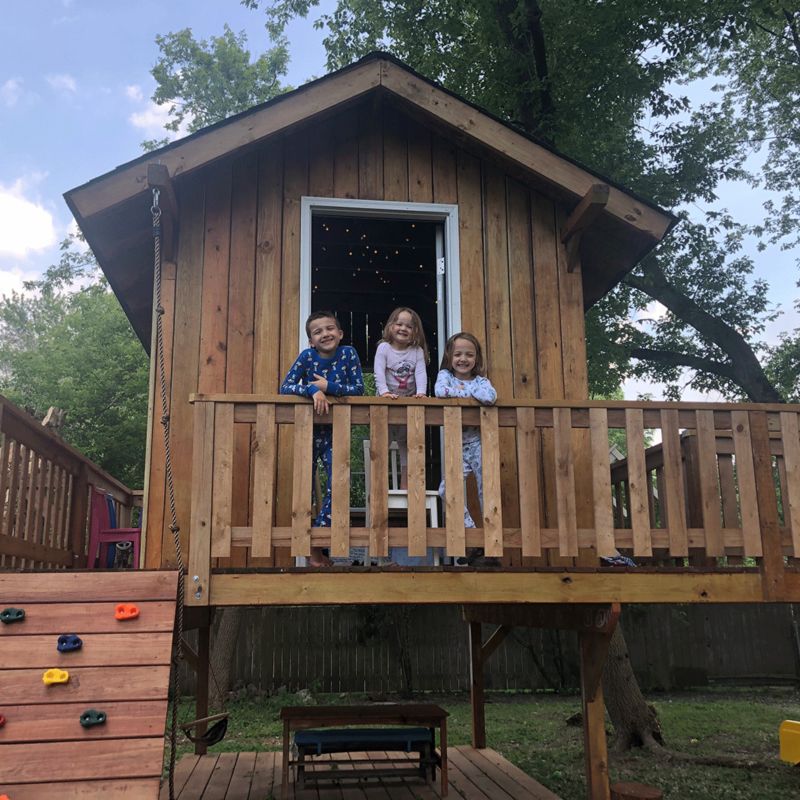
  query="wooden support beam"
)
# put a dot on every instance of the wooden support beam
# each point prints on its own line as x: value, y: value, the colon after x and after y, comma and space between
x: 589, y: 617
x: 158, y: 178
x: 584, y: 214
x: 594, y: 649
x: 477, y: 692
x: 202, y: 696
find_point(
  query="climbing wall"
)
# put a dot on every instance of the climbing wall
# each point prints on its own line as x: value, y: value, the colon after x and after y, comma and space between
x: 118, y: 667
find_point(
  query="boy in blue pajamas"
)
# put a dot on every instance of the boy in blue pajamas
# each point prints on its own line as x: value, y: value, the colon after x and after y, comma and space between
x: 324, y: 368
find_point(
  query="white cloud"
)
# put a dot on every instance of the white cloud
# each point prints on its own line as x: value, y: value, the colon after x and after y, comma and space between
x: 12, y: 278
x: 25, y: 225
x: 10, y: 92
x: 63, y: 83
x: 151, y: 118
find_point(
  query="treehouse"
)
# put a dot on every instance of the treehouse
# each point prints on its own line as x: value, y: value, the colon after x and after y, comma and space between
x: 372, y: 188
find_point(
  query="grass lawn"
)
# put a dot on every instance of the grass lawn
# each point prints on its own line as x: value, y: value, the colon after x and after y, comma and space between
x: 529, y: 730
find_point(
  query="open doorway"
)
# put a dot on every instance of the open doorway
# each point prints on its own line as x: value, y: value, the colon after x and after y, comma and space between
x: 364, y: 267
x: 362, y: 259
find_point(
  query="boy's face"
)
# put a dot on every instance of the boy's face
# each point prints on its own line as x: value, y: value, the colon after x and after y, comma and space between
x: 324, y: 335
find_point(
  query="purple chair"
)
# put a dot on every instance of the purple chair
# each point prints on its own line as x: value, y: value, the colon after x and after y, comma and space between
x: 102, y: 534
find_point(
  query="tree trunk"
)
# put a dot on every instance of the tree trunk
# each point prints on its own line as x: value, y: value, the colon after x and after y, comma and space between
x: 224, y: 635
x: 635, y: 721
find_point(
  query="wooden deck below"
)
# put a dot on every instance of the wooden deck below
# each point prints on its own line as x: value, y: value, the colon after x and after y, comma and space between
x: 474, y: 774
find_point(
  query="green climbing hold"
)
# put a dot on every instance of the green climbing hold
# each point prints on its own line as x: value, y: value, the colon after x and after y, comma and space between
x: 9, y: 615
x: 92, y: 717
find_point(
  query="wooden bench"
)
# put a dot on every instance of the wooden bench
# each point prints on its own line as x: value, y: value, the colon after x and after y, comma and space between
x: 418, y: 737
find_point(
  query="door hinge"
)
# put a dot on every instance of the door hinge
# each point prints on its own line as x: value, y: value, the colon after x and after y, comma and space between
x: 440, y: 266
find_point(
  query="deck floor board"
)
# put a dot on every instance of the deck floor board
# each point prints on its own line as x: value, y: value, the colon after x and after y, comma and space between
x: 474, y: 775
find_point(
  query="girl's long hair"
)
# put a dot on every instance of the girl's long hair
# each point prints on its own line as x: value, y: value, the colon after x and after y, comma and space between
x: 418, y: 334
x: 447, y: 358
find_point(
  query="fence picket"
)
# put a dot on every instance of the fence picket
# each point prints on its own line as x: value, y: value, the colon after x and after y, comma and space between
x: 454, y: 482
x: 791, y: 458
x: 340, y: 482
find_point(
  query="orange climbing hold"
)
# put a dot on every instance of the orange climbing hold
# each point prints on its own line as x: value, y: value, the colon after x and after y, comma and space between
x: 126, y: 611
x: 55, y: 675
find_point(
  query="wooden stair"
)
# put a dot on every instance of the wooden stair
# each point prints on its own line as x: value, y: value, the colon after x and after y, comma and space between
x: 122, y: 669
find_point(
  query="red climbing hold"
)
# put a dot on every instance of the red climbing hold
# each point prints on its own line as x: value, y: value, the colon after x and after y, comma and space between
x: 125, y: 611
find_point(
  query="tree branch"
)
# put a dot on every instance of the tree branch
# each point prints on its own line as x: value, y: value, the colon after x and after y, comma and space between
x: 673, y: 358
x: 746, y: 371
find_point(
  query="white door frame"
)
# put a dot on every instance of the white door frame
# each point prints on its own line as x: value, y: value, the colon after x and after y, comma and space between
x: 443, y: 213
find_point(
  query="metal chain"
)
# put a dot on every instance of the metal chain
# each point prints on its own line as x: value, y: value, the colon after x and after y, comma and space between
x: 162, y: 377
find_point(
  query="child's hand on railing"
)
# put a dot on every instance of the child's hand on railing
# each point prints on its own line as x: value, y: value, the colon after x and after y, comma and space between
x: 321, y: 404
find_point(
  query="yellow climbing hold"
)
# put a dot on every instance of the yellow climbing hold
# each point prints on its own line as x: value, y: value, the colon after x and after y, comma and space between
x: 55, y: 676
x: 789, y: 733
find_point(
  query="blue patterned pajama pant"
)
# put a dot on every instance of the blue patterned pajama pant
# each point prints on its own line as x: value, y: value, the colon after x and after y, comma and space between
x: 471, y: 457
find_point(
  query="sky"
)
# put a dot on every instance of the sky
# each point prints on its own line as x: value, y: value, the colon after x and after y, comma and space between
x: 75, y: 89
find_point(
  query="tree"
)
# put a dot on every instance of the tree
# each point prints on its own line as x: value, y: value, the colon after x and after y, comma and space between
x: 601, y: 82
x: 208, y: 80
x: 64, y: 341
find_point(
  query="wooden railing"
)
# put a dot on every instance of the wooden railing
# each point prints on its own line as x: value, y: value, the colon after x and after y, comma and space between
x: 547, y: 478
x: 44, y: 490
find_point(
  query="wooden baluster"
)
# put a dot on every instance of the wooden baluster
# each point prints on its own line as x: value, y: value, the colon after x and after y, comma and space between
x: 454, y: 482
x: 672, y: 502
x: 379, y: 476
x: 492, y: 503
x: 772, y: 567
x: 417, y: 522
x: 529, y: 463
x: 601, y: 482
x: 791, y: 459
x: 730, y: 504
x: 748, y: 499
x: 58, y: 520
x: 22, y: 496
x: 49, y: 491
x: 11, y: 504
x: 340, y: 482
x: 565, y: 483
x: 264, y: 480
x: 199, y: 564
x: 78, y: 510
x: 223, y: 481
x: 709, y: 483
x: 637, y: 483
x: 302, y: 475
x: 77, y: 524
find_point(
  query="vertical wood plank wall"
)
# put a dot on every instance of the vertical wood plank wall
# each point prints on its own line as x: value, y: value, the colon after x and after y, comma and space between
x: 236, y: 289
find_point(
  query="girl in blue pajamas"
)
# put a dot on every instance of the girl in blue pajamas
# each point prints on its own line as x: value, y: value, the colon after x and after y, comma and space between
x: 462, y: 375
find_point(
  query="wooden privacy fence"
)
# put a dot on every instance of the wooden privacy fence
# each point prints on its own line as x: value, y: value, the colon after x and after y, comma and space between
x: 44, y: 489
x: 547, y: 478
x: 358, y: 649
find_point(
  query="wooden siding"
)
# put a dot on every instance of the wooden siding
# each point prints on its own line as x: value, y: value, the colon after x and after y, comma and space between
x: 236, y: 288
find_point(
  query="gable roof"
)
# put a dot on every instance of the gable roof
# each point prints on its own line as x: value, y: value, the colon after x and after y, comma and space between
x: 633, y: 224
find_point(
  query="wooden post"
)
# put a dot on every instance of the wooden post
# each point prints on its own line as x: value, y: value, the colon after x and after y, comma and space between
x: 477, y: 696
x: 771, y: 565
x: 203, y: 667
x: 594, y: 648
x: 77, y: 516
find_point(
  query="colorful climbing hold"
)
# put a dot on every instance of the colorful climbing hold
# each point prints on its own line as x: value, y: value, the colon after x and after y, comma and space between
x: 126, y: 611
x: 68, y: 642
x: 9, y: 615
x: 92, y: 717
x: 55, y: 675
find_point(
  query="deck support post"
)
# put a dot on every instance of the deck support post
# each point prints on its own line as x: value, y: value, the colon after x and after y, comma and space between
x: 479, y: 654
x: 202, y: 693
x: 594, y: 649
x: 77, y: 516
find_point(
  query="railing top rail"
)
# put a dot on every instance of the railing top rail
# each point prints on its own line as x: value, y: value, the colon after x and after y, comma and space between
x: 513, y: 403
x: 30, y: 432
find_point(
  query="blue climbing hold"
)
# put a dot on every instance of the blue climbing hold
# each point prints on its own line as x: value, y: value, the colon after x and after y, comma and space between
x: 68, y: 642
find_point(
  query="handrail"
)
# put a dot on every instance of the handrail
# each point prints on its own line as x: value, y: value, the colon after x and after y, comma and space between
x: 44, y: 486
x: 562, y: 499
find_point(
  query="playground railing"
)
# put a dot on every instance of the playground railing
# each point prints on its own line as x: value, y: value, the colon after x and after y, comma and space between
x: 722, y: 483
x: 44, y: 488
